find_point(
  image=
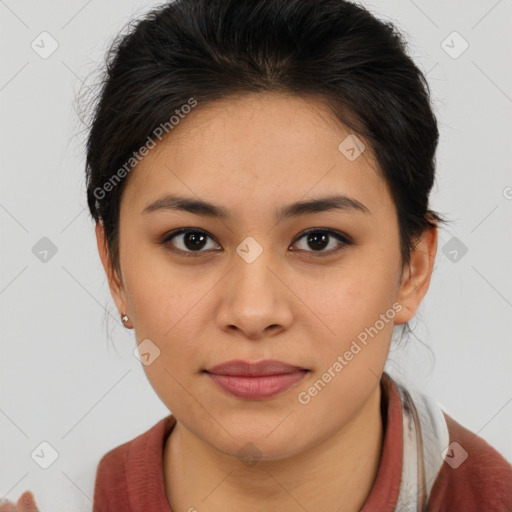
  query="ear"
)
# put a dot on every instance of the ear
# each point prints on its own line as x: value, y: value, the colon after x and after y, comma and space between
x: 114, y: 281
x: 416, y: 275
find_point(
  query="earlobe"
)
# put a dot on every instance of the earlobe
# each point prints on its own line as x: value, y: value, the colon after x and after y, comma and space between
x: 114, y: 281
x: 417, y: 275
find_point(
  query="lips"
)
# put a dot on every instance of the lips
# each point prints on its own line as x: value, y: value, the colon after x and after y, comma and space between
x: 255, y: 381
x: 263, y: 368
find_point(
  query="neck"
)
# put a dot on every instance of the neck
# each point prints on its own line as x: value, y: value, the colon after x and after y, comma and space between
x: 335, y: 475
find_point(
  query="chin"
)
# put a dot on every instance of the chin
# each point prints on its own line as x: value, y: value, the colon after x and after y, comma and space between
x: 253, y: 445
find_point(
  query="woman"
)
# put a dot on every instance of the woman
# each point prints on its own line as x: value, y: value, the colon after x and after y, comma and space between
x: 259, y: 173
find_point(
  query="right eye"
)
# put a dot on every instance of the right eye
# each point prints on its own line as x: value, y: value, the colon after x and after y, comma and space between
x: 190, y: 241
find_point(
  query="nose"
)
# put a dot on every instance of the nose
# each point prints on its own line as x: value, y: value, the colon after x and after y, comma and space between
x: 255, y: 302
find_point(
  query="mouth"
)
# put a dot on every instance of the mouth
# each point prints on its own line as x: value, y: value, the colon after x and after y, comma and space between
x: 256, y: 381
x: 264, y: 368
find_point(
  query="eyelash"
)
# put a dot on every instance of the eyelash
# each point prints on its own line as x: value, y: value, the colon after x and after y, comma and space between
x: 194, y: 254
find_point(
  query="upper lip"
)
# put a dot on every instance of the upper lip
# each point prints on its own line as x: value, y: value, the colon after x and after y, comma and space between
x: 246, y: 369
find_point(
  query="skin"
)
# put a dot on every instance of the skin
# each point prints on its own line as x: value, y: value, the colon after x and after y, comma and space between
x: 252, y: 155
x: 25, y: 503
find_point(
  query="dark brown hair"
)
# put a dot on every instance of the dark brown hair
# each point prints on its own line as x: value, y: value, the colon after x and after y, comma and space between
x: 334, y: 50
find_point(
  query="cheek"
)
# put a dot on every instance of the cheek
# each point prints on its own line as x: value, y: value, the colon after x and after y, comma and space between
x: 159, y: 294
x: 353, y: 298
x: 354, y: 314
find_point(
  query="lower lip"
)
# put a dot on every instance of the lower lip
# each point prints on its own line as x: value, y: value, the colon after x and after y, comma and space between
x: 257, y: 388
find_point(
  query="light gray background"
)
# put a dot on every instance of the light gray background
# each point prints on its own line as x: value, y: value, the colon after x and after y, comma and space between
x: 60, y: 379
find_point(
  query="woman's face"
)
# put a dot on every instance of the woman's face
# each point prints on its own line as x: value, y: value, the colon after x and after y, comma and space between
x: 253, y: 285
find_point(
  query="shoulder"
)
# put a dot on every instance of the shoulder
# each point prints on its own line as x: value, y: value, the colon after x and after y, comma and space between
x: 110, y: 487
x: 121, y: 470
x: 473, y: 477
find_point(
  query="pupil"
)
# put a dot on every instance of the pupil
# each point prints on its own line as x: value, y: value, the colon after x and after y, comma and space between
x: 194, y: 238
x: 315, y: 237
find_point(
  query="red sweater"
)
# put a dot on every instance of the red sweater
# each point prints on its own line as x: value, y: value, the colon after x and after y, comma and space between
x: 129, y: 478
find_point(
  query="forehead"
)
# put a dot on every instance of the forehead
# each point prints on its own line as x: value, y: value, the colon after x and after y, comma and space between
x: 259, y: 148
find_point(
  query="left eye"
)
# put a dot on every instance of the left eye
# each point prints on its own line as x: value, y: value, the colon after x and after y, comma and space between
x: 194, y: 240
x: 321, y: 238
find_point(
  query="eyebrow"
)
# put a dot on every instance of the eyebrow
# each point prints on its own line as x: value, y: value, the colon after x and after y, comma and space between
x: 204, y: 208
